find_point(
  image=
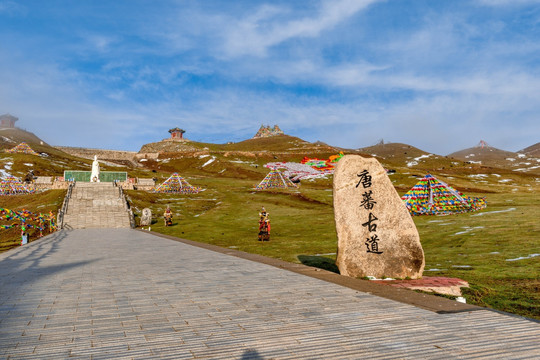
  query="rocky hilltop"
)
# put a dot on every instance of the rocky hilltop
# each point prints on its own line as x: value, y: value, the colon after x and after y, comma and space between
x: 167, y: 146
x: 267, y: 131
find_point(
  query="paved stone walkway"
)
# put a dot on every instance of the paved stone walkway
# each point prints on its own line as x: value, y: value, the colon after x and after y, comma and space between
x: 121, y: 293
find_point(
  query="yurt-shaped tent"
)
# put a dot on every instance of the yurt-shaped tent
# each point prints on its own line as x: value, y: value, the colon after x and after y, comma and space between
x: 22, y: 148
x: 430, y: 196
x: 14, y: 186
x: 275, y: 180
x: 176, y: 184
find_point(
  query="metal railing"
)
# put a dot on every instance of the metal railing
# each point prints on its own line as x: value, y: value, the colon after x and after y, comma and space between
x: 62, y: 212
x: 127, y: 207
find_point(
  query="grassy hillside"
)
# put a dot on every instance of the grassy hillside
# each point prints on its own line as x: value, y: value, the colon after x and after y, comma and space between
x: 474, y: 247
x: 44, y: 202
x: 10, y: 137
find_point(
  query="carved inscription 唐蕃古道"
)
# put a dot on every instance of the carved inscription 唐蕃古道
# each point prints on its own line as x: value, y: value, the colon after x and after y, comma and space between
x: 376, y: 234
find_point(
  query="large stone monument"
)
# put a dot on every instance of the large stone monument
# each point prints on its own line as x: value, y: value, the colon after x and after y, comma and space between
x: 376, y: 235
x: 146, y: 218
x: 94, y: 177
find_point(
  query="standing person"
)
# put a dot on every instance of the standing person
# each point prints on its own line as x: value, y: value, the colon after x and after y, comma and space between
x: 24, y: 234
x: 52, y: 226
x: 167, y: 216
x: 264, y: 225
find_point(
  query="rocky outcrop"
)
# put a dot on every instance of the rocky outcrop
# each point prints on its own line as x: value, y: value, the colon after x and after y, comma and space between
x: 167, y: 146
x: 267, y: 131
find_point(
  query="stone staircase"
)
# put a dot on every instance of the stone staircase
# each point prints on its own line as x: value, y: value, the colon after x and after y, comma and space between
x: 96, y: 205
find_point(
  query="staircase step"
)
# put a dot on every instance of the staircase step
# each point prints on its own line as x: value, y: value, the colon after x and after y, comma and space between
x: 96, y: 205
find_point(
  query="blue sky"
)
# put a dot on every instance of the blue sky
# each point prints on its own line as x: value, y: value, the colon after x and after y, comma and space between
x: 439, y: 75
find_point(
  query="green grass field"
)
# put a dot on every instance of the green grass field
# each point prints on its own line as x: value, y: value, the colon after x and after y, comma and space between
x: 472, y: 246
x: 493, y: 249
x: 44, y: 202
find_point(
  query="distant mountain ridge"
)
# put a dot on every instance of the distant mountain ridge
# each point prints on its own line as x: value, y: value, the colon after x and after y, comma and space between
x: 533, y: 150
x: 394, y: 154
x: 482, y: 153
x: 487, y: 155
x: 10, y: 137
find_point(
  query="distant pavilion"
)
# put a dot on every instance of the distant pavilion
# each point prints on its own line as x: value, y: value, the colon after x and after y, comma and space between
x: 177, y: 134
x: 7, y: 121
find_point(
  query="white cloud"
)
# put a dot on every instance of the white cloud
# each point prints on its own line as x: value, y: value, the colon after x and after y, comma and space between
x: 256, y: 33
x: 99, y: 42
x: 433, y: 85
x: 12, y: 8
x: 508, y: 2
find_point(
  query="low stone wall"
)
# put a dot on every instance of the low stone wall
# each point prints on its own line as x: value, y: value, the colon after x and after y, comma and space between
x: 88, y: 153
x: 151, y: 156
x: 50, y: 182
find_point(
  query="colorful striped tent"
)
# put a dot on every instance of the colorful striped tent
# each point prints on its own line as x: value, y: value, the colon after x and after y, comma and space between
x: 14, y: 186
x: 431, y: 196
x: 323, y: 165
x: 22, y: 148
x: 275, y: 180
x: 176, y: 184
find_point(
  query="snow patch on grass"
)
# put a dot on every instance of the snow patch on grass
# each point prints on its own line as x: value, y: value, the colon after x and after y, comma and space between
x: 494, y: 212
x: 4, y: 174
x: 417, y: 159
x: 468, y: 229
x: 209, y: 161
x: 478, y: 176
x: 524, y: 257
